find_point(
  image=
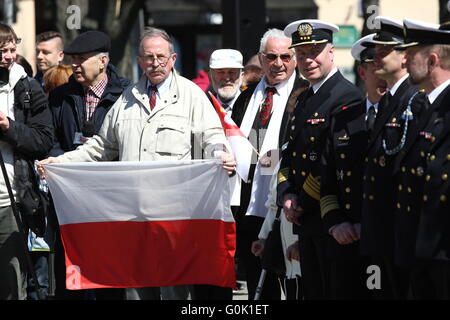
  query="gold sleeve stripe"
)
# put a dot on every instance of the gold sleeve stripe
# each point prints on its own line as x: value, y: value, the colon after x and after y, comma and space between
x: 328, y: 203
x: 312, y: 187
x: 283, y: 175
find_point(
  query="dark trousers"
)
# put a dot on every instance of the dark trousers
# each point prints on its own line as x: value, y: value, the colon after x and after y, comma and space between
x: 209, y: 292
x: 247, y: 230
x: 348, y: 278
x: 395, y: 281
x: 430, y: 279
x: 315, y: 268
x: 40, y: 263
x: 293, y: 288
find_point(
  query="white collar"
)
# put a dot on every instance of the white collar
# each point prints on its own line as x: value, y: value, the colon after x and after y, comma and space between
x: 317, y: 86
x: 397, y: 85
x: 231, y: 102
x: 432, y: 96
x: 282, y: 86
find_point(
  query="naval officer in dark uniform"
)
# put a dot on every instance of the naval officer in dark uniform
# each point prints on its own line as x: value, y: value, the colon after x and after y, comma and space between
x: 385, y: 140
x: 298, y: 189
x: 423, y: 209
x: 341, y: 185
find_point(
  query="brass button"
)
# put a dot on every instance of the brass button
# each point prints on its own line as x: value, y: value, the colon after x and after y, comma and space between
x: 413, y: 171
x: 349, y: 173
x: 347, y: 190
x: 445, y: 177
x: 371, y: 197
x: 303, y: 173
x: 347, y: 206
x: 432, y: 157
x: 398, y: 205
x: 433, y: 139
x: 443, y: 198
x: 293, y: 128
x: 366, y: 159
x: 364, y: 178
x: 409, y: 190
x: 342, y: 156
x: 400, y: 187
x: 408, y: 208
x: 425, y: 198
x: 403, y: 169
x: 422, y: 154
x: 304, y: 156
x: 294, y: 172
x: 364, y: 195
x: 312, y: 139
x: 372, y: 178
x: 427, y: 177
x: 316, y: 114
x: 448, y: 157
x: 375, y: 160
x: 294, y: 154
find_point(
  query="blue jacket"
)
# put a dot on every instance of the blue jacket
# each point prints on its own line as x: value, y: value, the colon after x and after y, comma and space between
x: 67, y: 103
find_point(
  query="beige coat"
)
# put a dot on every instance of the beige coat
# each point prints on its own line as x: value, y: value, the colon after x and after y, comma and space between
x: 133, y: 133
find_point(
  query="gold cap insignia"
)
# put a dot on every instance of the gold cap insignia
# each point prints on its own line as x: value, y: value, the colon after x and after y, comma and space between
x: 305, y: 30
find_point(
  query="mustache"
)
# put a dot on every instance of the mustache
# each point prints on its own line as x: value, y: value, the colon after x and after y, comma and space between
x: 155, y: 69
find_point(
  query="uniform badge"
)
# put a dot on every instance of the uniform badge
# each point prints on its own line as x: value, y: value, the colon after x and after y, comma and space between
x: 305, y: 30
x: 420, y: 171
x: 407, y: 115
x: 313, y: 156
x: 382, y: 161
x: 345, y: 137
x: 315, y: 121
x: 393, y: 125
x: 426, y: 135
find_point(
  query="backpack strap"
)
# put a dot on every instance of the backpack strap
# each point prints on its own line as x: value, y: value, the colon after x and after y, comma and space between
x: 22, y: 99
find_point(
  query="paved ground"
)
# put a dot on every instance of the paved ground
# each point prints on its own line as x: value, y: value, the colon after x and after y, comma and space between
x: 241, y: 294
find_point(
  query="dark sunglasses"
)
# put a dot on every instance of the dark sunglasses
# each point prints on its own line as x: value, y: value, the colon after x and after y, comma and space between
x: 285, y: 57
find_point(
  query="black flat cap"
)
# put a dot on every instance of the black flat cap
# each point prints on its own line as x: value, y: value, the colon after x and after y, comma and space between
x: 90, y: 41
x: 390, y: 33
x: 424, y: 33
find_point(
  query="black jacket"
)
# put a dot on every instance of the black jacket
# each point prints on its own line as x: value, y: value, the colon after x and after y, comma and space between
x: 67, y: 103
x: 300, y: 170
x: 379, y: 189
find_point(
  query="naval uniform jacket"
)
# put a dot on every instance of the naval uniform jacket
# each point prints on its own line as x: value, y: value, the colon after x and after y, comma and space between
x: 342, y: 164
x: 300, y: 165
x: 433, y: 238
x: 410, y: 164
x: 379, y: 189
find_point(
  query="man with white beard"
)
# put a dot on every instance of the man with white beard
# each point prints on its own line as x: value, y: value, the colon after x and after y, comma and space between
x: 226, y: 76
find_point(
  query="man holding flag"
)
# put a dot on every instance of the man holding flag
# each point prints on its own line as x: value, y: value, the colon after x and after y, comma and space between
x: 156, y: 120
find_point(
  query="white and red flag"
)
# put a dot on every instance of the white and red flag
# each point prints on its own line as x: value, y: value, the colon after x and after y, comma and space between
x: 242, y: 148
x: 144, y: 224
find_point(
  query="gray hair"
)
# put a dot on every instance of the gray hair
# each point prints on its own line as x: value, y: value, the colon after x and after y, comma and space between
x: 103, y: 54
x: 151, y: 32
x: 272, y: 34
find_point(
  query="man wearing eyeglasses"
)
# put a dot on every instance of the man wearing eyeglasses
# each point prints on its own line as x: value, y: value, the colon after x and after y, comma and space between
x: 263, y: 111
x: 157, y: 119
x: 299, y: 179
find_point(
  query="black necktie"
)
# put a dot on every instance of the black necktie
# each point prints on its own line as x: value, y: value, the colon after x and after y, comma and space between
x: 371, y: 114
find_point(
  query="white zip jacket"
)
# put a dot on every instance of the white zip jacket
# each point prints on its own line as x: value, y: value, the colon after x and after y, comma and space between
x: 133, y: 133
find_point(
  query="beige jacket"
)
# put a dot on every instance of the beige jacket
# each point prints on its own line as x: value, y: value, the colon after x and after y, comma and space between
x: 133, y: 133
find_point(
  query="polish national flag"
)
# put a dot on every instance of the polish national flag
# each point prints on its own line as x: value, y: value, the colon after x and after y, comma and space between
x: 144, y: 224
x: 242, y: 148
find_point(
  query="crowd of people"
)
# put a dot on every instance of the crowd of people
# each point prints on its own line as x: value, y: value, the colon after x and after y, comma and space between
x: 354, y: 178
